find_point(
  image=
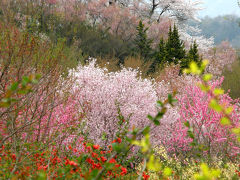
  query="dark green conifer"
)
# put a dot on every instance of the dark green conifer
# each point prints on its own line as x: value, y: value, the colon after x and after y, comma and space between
x: 159, y: 56
x: 143, y: 44
x: 175, y: 46
x: 168, y: 46
x: 192, y: 55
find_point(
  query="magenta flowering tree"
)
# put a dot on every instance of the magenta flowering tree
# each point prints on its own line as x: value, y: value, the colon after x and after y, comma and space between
x: 205, y: 123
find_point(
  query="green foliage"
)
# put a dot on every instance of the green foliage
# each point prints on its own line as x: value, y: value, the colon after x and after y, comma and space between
x: 159, y: 56
x: 142, y: 42
x: 18, y: 88
x: 232, y: 80
x: 192, y: 55
x: 175, y: 47
x: 92, y: 41
x: 207, y: 174
x: 173, y: 51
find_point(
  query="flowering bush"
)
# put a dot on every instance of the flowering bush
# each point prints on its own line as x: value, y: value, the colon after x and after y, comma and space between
x: 28, y: 102
x: 68, y: 162
x: 220, y: 57
x: 89, y: 123
x: 194, y: 108
x: 105, y: 92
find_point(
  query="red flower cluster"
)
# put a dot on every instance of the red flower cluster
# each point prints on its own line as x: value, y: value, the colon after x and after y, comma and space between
x: 145, y: 176
x: 98, y: 158
x: 13, y: 157
x: 96, y: 146
x: 118, y: 140
x: 71, y: 163
x: 53, y: 161
x: 238, y: 173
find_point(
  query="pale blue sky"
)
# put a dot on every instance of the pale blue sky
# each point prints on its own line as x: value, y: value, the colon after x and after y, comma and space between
x: 219, y: 7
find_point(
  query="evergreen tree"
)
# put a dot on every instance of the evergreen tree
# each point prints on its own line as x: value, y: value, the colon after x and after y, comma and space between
x: 169, y: 44
x: 143, y: 44
x: 174, y: 46
x: 192, y: 55
x: 161, y: 54
x: 173, y: 51
x: 159, y: 57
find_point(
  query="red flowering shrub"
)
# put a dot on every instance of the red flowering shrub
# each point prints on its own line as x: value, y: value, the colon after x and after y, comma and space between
x: 28, y: 108
x: 60, y: 163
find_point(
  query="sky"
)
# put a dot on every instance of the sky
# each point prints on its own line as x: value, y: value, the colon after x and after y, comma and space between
x: 215, y: 8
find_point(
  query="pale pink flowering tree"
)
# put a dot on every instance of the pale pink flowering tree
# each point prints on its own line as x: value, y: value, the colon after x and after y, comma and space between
x: 72, y: 9
x: 220, y: 57
x: 103, y: 92
x: 121, y: 17
x: 118, y: 20
x: 155, y: 9
x: 52, y: 2
x: 158, y: 30
x: 106, y: 92
x: 190, y: 34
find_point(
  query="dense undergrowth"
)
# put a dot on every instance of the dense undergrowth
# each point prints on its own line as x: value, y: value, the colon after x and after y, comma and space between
x: 66, y: 116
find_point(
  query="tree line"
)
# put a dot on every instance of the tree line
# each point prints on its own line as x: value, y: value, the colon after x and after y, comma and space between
x: 169, y: 51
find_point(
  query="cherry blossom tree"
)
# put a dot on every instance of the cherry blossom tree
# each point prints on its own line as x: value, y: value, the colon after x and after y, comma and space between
x: 102, y: 93
x: 220, y: 57
x: 116, y: 19
x: 121, y: 17
x: 105, y: 92
x: 158, y: 15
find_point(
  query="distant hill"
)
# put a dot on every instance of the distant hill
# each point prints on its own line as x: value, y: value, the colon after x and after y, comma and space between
x: 215, y: 8
x: 221, y: 28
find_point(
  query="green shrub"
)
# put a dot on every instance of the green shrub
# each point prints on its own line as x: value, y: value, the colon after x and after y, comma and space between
x: 232, y: 80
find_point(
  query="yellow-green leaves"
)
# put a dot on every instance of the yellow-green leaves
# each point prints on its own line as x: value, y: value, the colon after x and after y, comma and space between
x: 215, y: 105
x: 153, y: 164
x: 144, y: 143
x: 207, y: 77
x: 207, y: 174
x: 229, y: 110
x: 204, y: 64
x: 237, y: 132
x: 204, y: 88
x: 167, y: 172
x: 218, y: 91
x: 195, y: 69
x: 219, y: 108
x: 225, y: 121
